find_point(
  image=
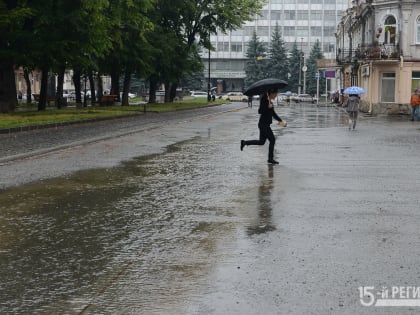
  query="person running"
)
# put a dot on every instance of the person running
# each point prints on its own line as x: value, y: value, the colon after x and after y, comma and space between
x: 267, y: 113
x: 415, y: 103
x: 352, y: 104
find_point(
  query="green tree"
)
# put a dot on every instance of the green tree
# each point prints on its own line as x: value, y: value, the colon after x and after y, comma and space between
x: 278, y: 65
x: 13, y: 15
x: 295, y: 66
x: 131, y: 52
x: 187, y: 26
x: 257, y: 62
x: 316, y: 53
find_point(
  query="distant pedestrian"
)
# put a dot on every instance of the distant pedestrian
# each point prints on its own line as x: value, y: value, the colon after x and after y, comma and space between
x: 266, y: 110
x: 352, y: 104
x: 415, y: 103
x: 250, y: 101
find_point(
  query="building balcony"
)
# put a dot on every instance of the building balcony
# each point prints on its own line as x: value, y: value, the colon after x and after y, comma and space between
x: 368, y: 53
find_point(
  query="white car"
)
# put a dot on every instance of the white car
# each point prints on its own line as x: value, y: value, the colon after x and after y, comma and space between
x: 130, y: 95
x: 235, y: 96
x: 199, y: 94
x: 304, y: 98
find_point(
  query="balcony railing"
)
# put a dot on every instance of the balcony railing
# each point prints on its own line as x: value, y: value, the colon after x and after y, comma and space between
x: 368, y: 53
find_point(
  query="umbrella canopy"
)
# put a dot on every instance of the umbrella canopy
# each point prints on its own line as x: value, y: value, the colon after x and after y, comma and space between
x: 354, y: 90
x: 288, y: 93
x: 262, y: 86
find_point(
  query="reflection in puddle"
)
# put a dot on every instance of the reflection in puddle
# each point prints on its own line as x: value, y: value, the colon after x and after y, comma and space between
x: 264, y: 207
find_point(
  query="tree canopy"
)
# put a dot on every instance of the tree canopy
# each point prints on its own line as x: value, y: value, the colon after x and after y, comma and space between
x: 158, y: 39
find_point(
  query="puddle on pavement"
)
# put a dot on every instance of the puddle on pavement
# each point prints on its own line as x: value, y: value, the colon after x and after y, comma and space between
x: 135, y: 238
x: 150, y: 221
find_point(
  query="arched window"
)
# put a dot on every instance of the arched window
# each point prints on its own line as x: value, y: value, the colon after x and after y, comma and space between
x: 390, y: 26
x: 418, y: 30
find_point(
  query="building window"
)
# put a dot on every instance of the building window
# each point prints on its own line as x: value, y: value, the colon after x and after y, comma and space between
x: 316, y: 30
x: 390, y: 30
x: 249, y: 30
x: 302, y: 15
x: 262, y: 30
x: 388, y: 87
x: 221, y: 46
x: 329, y: 31
x: 236, y: 47
x: 264, y: 15
x: 316, y: 15
x: 330, y: 15
x: 289, y: 31
x: 418, y: 30
x: 302, y: 31
x: 275, y: 15
x: 289, y: 15
x: 415, y: 80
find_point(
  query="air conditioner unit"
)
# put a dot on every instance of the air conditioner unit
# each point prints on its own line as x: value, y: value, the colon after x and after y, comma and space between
x: 365, y: 71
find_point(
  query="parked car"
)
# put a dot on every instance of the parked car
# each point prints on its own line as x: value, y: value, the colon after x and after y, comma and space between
x: 235, y: 97
x: 130, y: 95
x: 304, y: 98
x: 199, y: 94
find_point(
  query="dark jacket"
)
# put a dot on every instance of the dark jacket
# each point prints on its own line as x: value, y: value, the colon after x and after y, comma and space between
x: 267, y: 114
x: 352, y: 103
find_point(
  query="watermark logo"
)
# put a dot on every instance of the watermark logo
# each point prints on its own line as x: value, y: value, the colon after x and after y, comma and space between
x: 390, y: 296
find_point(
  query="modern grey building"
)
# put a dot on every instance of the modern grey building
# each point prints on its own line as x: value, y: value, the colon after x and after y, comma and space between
x: 300, y: 21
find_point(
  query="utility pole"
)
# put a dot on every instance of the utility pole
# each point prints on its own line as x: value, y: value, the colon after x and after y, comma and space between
x: 209, y: 83
x: 300, y: 66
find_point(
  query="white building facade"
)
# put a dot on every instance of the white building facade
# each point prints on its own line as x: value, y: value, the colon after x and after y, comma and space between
x: 300, y: 21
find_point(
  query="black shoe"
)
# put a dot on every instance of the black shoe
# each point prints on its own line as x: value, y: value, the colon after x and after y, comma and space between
x: 273, y: 161
x: 242, y: 144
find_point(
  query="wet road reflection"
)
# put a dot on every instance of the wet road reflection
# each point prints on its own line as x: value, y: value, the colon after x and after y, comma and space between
x: 264, y: 207
x: 141, y: 237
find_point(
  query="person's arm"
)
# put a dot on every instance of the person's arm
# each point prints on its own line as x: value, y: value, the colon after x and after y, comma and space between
x: 276, y: 117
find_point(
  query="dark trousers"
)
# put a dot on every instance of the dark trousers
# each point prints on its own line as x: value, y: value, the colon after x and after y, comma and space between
x: 265, y: 133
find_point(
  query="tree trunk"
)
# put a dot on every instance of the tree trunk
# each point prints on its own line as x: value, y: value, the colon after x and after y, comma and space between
x: 77, y: 86
x: 115, y: 82
x: 92, y: 88
x: 42, y: 103
x: 172, y: 93
x: 28, y: 86
x: 59, y: 93
x: 126, y: 87
x: 100, y: 89
x: 8, y: 100
x: 167, y: 92
x: 152, y: 89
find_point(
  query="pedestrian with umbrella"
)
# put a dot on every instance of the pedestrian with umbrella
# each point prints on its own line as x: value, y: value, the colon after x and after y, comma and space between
x: 267, y: 88
x: 352, y: 104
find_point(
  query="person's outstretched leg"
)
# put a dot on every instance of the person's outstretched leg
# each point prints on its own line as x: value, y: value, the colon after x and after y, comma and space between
x: 261, y: 141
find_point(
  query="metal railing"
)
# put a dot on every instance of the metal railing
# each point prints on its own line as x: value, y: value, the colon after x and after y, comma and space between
x: 367, y: 53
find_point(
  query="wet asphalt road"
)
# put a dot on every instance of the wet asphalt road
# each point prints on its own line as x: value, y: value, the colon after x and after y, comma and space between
x: 229, y: 234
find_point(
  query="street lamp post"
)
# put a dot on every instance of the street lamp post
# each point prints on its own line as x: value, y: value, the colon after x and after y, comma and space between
x: 209, y: 82
x: 300, y: 65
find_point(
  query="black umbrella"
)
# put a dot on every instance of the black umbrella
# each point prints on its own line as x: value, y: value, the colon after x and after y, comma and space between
x: 262, y: 86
